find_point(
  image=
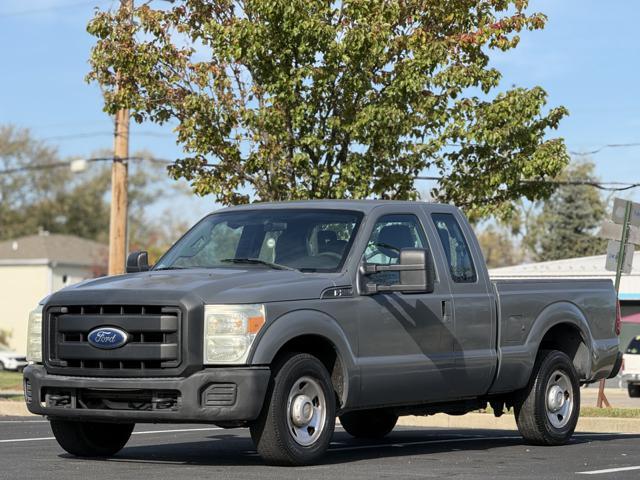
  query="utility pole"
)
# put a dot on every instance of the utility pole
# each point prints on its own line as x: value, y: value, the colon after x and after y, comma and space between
x: 119, y: 181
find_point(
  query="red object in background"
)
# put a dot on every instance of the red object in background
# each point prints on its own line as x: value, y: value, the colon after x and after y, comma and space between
x: 633, y: 318
x: 618, y: 318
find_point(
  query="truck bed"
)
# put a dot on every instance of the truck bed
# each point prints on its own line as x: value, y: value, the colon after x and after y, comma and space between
x: 527, y: 309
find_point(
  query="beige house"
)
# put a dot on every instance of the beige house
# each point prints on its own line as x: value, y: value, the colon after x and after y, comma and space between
x: 32, y: 267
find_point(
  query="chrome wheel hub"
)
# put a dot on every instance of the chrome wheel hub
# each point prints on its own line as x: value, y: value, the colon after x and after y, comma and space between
x: 301, y: 411
x: 555, y: 398
x: 306, y: 411
x: 560, y: 399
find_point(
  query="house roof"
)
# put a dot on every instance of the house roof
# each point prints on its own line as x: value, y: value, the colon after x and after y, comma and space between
x: 53, y: 248
x: 581, y: 267
x: 569, y: 267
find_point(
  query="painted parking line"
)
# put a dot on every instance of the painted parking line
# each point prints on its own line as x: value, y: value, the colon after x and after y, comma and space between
x: 144, y: 432
x: 17, y: 440
x: 24, y: 421
x: 609, y: 470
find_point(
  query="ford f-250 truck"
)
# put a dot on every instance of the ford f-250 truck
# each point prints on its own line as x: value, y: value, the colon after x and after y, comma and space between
x: 280, y: 317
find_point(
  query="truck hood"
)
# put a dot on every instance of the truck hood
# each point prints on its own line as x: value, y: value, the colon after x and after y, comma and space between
x: 220, y: 285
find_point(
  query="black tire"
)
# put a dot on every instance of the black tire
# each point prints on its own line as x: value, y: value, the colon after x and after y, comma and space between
x: 534, y: 416
x: 273, y: 433
x: 634, y: 390
x: 91, y: 439
x: 369, y: 423
x: 1, y: 366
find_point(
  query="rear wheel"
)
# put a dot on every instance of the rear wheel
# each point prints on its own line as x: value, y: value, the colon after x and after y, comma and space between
x: 634, y: 390
x: 549, y: 411
x: 91, y: 439
x: 369, y: 423
x: 298, y: 418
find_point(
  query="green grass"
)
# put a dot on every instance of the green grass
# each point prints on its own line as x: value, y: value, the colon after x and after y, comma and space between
x: 10, y: 380
x: 610, y: 412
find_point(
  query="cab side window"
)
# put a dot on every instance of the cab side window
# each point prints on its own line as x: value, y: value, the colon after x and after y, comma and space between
x: 390, y: 234
x: 455, y: 248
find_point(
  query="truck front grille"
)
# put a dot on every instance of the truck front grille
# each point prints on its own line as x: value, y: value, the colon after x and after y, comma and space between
x: 154, y: 342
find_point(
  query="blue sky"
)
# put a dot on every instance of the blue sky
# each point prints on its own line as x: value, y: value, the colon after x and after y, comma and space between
x: 587, y: 59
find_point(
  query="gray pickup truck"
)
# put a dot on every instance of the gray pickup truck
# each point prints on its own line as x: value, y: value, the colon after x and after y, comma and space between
x: 280, y: 317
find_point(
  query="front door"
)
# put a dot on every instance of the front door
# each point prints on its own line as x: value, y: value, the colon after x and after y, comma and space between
x: 405, y: 339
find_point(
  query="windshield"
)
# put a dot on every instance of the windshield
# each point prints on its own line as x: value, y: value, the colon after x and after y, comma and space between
x: 303, y: 239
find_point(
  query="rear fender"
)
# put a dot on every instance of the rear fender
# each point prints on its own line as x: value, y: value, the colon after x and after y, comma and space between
x: 516, y: 364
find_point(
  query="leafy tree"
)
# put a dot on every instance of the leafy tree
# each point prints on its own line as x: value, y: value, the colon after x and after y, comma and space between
x: 56, y: 200
x: 564, y: 226
x: 498, y: 247
x: 157, y: 235
x: 297, y: 99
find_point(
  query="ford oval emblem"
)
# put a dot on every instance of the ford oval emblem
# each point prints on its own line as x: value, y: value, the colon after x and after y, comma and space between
x: 107, y: 338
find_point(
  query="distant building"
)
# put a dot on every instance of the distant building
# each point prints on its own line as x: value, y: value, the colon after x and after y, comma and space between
x: 32, y: 267
x: 588, y: 267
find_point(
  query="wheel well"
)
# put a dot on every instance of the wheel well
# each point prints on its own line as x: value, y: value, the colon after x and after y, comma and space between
x: 567, y: 338
x: 325, y: 351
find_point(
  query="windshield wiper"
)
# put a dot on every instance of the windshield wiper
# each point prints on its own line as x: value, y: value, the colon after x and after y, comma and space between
x: 169, y: 268
x: 256, y: 261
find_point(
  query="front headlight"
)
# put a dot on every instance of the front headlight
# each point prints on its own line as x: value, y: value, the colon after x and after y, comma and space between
x: 229, y: 331
x: 34, y: 335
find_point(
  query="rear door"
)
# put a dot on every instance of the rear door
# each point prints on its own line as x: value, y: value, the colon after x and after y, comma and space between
x: 474, y: 322
x: 405, y: 339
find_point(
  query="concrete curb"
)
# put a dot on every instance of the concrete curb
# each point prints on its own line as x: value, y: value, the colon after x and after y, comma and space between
x: 508, y: 422
x: 440, y: 420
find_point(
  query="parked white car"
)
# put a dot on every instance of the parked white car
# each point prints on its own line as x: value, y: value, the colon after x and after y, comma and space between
x: 631, y: 368
x: 10, y: 360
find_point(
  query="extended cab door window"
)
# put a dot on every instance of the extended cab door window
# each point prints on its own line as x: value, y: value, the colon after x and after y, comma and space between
x: 474, y: 318
x: 455, y: 248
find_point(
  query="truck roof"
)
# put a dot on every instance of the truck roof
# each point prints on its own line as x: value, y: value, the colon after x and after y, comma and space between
x: 359, y: 205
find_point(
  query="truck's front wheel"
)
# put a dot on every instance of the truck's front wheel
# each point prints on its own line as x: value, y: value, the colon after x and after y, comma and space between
x: 369, y: 423
x: 298, y: 418
x: 549, y: 411
x: 91, y: 439
x: 634, y: 390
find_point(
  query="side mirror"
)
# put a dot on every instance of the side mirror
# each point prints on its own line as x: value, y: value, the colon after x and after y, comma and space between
x: 416, y: 269
x: 137, y: 262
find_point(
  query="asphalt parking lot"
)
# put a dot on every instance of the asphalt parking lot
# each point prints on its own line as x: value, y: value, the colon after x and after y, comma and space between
x: 27, y: 450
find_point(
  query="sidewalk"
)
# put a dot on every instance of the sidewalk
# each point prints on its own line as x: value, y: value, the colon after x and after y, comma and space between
x: 508, y: 422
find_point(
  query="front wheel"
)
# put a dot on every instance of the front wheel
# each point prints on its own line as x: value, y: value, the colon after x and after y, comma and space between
x: 91, y: 439
x: 298, y: 417
x: 548, y: 413
x: 634, y: 390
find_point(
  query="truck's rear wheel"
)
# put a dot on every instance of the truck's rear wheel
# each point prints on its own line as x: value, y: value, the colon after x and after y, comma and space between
x: 91, y: 439
x: 369, y: 423
x: 634, y: 390
x: 298, y: 417
x: 550, y: 408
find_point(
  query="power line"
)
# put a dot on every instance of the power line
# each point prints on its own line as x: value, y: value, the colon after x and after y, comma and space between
x: 611, y: 186
x: 606, y: 186
x: 46, y: 166
x: 73, y: 136
x: 603, y: 147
